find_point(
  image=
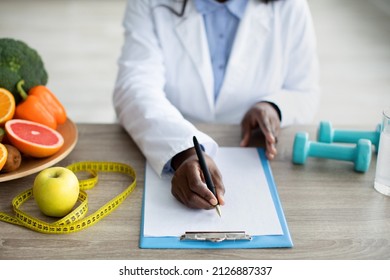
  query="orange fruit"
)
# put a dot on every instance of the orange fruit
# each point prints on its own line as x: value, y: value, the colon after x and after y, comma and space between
x: 32, y: 138
x: 3, y: 155
x: 7, y: 106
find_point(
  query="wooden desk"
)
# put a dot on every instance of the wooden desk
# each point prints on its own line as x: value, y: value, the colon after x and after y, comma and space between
x: 332, y: 212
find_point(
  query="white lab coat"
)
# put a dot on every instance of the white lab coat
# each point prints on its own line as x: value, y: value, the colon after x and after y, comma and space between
x: 165, y: 79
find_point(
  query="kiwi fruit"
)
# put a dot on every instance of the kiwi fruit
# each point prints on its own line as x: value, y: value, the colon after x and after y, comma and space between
x: 14, y: 159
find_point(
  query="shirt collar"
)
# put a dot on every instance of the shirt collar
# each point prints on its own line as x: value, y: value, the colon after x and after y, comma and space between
x: 236, y: 7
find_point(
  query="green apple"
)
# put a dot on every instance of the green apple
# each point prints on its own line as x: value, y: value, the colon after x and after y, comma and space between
x: 56, y: 190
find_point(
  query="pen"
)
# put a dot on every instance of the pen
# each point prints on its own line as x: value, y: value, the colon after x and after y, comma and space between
x: 206, y: 173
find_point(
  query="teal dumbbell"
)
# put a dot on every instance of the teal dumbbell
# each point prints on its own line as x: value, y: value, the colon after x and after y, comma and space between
x: 327, y: 134
x: 359, y: 154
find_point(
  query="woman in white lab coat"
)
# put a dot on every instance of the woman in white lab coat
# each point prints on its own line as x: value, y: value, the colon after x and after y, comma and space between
x: 165, y: 83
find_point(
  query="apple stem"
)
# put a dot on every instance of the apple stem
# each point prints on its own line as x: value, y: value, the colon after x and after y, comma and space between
x: 56, y: 175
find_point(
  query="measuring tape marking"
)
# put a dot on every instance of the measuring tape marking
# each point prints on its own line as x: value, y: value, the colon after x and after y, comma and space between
x: 75, y: 220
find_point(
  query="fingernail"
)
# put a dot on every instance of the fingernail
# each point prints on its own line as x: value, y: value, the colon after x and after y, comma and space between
x: 270, y: 155
x: 221, y: 200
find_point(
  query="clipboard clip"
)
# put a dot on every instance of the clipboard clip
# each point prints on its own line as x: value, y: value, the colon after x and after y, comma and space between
x: 215, y: 236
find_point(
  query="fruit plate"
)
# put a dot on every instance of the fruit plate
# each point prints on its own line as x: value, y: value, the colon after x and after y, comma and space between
x: 33, y: 165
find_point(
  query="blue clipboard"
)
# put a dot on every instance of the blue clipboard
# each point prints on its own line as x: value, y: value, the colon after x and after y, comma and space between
x: 262, y: 241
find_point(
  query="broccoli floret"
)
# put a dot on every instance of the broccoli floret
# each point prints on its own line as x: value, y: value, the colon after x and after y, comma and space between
x: 20, y: 62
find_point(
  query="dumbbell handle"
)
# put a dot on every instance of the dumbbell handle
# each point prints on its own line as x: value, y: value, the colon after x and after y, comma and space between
x: 359, y: 154
x: 324, y: 150
x: 327, y: 134
x: 351, y: 136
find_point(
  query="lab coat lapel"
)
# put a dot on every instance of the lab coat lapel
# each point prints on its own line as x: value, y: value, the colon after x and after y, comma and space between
x: 251, y: 32
x: 192, y: 34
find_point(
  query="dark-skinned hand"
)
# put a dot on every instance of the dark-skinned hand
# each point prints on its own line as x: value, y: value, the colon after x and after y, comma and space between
x: 188, y: 184
x: 265, y: 117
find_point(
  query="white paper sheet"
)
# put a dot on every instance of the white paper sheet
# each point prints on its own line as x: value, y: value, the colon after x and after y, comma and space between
x: 248, y: 202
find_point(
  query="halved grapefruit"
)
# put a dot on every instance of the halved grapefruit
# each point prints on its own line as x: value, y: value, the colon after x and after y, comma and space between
x: 33, y: 139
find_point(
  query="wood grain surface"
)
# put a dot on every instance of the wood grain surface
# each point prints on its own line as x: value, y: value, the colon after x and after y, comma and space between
x: 332, y: 211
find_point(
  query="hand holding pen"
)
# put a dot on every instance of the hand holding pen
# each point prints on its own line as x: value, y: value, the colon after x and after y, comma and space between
x: 189, y: 185
x: 206, y: 173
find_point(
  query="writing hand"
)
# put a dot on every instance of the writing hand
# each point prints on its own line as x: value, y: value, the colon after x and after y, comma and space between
x: 188, y: 184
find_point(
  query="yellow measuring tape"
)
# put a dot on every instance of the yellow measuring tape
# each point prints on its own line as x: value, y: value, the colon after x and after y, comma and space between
x: 75, y: 220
